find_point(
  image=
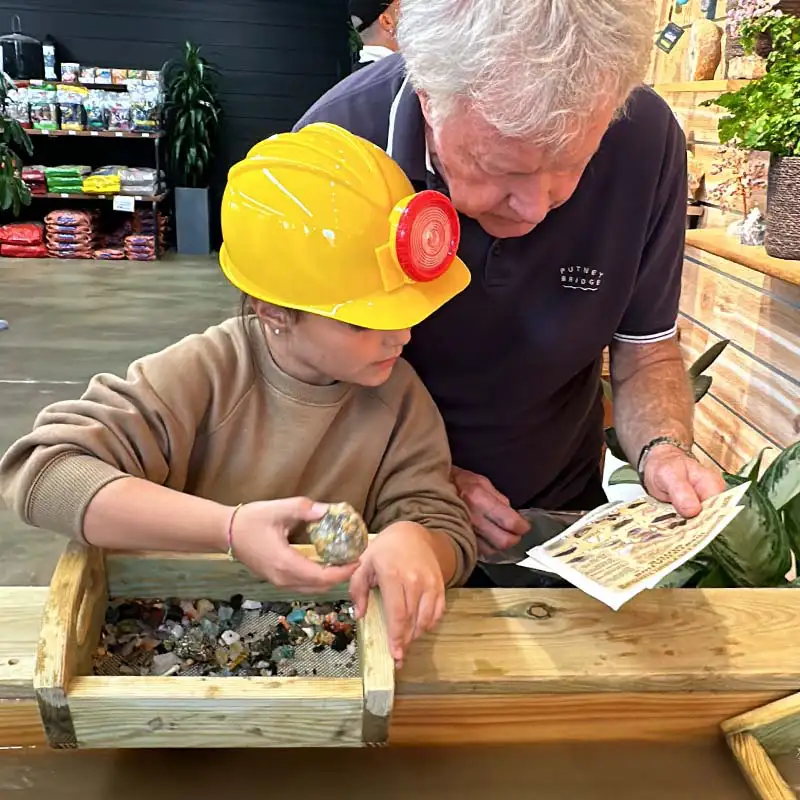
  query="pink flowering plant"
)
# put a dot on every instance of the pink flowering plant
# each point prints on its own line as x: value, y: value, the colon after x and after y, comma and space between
x: 744, y: 173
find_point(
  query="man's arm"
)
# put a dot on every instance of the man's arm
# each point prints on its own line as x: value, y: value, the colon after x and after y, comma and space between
x: 653, y: 399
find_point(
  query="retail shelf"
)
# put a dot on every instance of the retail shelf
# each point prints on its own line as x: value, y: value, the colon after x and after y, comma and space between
x: 101, y: 134
x: 141, y: 198
x: 717, y: 242
x: 700, y: 86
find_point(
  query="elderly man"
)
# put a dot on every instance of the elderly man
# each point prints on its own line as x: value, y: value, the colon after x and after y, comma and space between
x: 570, y: 180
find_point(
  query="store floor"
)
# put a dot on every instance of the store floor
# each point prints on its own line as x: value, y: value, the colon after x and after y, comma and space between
x: 71, y: 319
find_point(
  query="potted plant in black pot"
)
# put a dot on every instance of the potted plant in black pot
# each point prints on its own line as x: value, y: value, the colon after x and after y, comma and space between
x: 14, y: 193
x: 765, y: 115
x: 192, y: 116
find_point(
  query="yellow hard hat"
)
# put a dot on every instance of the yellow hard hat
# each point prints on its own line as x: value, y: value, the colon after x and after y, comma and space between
x: 325, y: 222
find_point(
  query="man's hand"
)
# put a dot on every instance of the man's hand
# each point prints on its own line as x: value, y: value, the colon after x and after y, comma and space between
x: 497, y: 526
x: 674, y: 477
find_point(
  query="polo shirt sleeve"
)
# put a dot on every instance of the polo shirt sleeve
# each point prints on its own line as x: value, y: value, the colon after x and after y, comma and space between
x: 651, y: 315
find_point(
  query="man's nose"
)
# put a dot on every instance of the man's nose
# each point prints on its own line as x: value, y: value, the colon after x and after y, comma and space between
x: 531, y: 207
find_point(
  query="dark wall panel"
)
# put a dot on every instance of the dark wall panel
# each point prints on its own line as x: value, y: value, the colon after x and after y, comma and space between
x: 276, y: 56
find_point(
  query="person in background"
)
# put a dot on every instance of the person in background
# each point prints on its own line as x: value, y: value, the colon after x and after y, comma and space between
x: 376, y: 24
x: 230, y: 440
x: 570, y: 179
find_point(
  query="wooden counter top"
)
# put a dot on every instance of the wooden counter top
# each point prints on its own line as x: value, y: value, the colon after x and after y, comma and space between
x: 539, y: 665
x: 716, y: 241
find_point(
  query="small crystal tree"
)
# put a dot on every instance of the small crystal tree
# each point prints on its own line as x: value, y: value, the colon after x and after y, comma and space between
x: 744, y: 174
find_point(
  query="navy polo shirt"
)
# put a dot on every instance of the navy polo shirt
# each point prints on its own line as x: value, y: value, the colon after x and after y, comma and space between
x: 514, y: 361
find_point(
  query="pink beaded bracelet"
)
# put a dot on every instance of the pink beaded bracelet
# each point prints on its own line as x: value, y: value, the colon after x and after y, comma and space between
x: 230, y: 530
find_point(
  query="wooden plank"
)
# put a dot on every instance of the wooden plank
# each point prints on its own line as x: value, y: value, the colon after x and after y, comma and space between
x: 507, y: 641
x: 760, y: 322
x: 715, y: 218
x: 720, y: 244
x: 71, y: 623
x: 159, y: 575
x: 207, y: 712
x: 542, y: 718
x: 760, y: 772
x: 769, y: 402
x: 776, y: 725
x: 21, y: 610
x: 725, y: 437
x: 700, y: 87
x: 377, y: 672
x: 21, y: 724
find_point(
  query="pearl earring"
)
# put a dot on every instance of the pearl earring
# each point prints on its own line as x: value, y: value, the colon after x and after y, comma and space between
x: 277, y: 331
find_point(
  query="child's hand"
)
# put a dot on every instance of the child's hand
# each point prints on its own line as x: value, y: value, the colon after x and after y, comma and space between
x: 402, y: 563
x: 261, y: 542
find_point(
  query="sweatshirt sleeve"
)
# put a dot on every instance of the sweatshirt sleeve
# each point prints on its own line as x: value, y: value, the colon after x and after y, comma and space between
x: 118, y: 428
x: 413, y: 481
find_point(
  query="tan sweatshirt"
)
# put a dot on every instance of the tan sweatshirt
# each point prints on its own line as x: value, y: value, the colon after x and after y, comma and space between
x: 214, y: 416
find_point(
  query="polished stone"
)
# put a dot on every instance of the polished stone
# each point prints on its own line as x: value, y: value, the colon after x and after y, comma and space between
x: 69, y: 320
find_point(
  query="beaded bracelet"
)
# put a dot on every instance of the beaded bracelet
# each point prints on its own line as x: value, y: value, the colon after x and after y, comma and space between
x: 230, y: 530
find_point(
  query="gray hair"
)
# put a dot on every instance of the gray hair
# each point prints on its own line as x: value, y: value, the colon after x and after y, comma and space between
x: 534, y: 69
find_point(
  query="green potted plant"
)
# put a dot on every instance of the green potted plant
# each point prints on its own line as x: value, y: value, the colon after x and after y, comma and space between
x: 14, y: 193
x: 192, y: 117
x: 764, y: 115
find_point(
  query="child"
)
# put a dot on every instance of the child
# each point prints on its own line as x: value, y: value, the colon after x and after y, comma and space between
x: 217, y: 443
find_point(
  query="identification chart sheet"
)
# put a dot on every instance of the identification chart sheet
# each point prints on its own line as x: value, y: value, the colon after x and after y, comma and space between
x: 621, y: 549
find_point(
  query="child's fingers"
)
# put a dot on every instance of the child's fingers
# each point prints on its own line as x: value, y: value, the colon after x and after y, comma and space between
x: 293, y: 569
x: 398, y: 620
x: 359, y: 591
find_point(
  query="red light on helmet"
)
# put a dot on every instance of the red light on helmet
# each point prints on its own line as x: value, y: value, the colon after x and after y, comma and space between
x: 426, y: 236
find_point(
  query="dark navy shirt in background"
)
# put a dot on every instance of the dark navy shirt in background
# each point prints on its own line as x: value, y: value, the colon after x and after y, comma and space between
x: 514, y: 361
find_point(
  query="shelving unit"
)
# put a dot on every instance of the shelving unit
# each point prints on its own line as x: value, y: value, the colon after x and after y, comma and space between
x: 154, y: 136
x: 697, y: 87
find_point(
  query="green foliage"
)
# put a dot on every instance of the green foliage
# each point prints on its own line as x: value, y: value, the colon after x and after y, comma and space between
x: 193, y: 117
x: 765, y: 114
x: 14, y: 193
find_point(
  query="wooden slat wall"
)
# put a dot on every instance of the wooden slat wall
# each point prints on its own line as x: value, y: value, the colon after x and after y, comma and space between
x: 755, y: 398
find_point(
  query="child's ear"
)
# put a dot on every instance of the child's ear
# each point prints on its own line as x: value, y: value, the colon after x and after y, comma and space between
x: 271, y: 315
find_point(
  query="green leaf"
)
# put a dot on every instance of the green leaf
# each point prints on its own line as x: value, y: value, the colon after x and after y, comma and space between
x: 781, y: 480
x: 686, y: 573
x: 700, y: 386
x: 614, y: 447
x: 752, y: 468
x: 715, y: 578
x: 624, y: 475
x: 791, y: 524
x: 753, y: 549
x: 708, y: 358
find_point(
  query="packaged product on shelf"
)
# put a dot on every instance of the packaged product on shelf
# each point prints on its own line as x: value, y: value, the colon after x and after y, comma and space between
x: 49, y: 58
x: 70, y: 233
x: 66, y: 179
x: 119, y: 76
x: 25, y: 233
x: 146, y: 104
x: 102, y: 75
x: 153, y: 75
x: 87, y: 74
x: 34, y: 178
x: 70, y: 104
x: 95, y: 107
x: 70, y: 72
x: 141, y: 181
x: 44, y: 106
x: 18, y: 106
x: 105, y: 180
x: 110, y: 254
x: 140, y: 248
x: 119, y: 113
x: 24, y: 251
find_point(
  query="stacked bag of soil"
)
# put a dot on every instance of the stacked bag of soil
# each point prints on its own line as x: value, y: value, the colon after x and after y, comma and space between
x: 146, y: 222
x: 66, y: 179
x: 71, y: 234
x: 105, y: 180
x: 34, y: 178
x: 141, y: 181
x: 23, y: 240
x: 140, y: 247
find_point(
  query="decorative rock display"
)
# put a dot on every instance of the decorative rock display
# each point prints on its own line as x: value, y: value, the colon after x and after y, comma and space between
x: 704, y: 50
x: 341, y: 536
x: 241, y: 638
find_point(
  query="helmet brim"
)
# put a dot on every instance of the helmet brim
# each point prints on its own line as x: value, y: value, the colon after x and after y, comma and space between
x: 384, y: 311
